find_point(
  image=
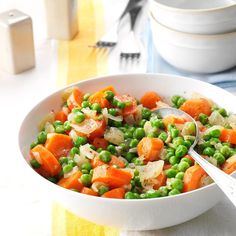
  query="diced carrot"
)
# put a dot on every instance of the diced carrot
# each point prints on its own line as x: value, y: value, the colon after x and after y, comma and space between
x: 150, y: 148
x: 49, y: 164
x: 112, y: 177
x: 194, y: 107
x: 72, y: 182
x: 114, y: 161
x: 228, y: 135
x: 161, y: 180
x: 190, y: 158
x: 61, y: 116
x: 100, y: 97
x: 131, y: 104
x: 88, y: 191
x: 59, y: 144
x: 75, y: 99
x: 149, y: 99
x: 99, y: 132
x: 230, y: 165
x: 100, y: 143
x: 192, y: 178
x: 170, y: 120
x: 115, y: 193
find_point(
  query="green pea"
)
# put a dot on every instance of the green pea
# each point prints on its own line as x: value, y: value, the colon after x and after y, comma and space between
x: 128, y: 134
x: 86, y: 96
x: 180, y: 175
x: 74, y: 151
x: 223, y: 112
x: 52, y: 179
x: 153, y: 135
x: 142, y: 123
x: 171, y: 173
x: 174, y: 99
x: 220, y: 158
x: 190, y: 127
x: 146, y: 113
x: 33, y: 144
x: 207, y: 137
x: 61, y: 173
x: 181, y: 151
x: 85, y: 179
x: 91, y: 172
x: 177, y: 184
x: 187, y: 144
x: 85, y: 104
x: 57, y: 122
x: 137, y: 181
x: 133, y: 143
x: 103, y: 189
x: 63, y: 160
x: 131, y: 195
x: 117, y: 123
x: 99, y: 150
x: 174, y: 133
x: 96, y: 107
x: 80, y: 141
x: 174, y: 192
x: 129, y: 156
x: 105, y: 156
x: 157, y: 123
x: 174, y: 160
x: 109, y: 95
x: 215, y: 133
x: 136, y: 172
x: 67, y: 168
x: 163, y: 191
x: 42, y: 137
x: 152, y: 194
x: 124, y: 146
x: 111, y: 148
x: 35, y: 164
x: 163, y: 136
x: 175, y: 166
x: 137, y: 161
x: 209, y: 151
x: 72, y: 163
x: 86, y: 166
x: 121, y: 105
x: 183, y: 166
x: 203, y: 118
x: 139, y: 133
x: 75, y: 110
x: 67, y: 126
x: 60, y: 129
x: 114, y: 102
x: 112, y: 111
x: 185, y: 159
x: 131, y: 128
x: 213, y: 141
x: 228, y: 126
x: 79, y: 117
x: 85, y: 171
x: 178, y: 141
x: 225, y: 150
x: 180, y: 102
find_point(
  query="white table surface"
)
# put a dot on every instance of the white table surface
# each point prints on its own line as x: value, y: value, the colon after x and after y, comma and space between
x: 24, y: 210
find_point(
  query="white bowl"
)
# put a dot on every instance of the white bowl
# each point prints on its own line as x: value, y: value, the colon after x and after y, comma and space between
x: 144, y: 214
x: 193, y: 52
x: 196, y: 16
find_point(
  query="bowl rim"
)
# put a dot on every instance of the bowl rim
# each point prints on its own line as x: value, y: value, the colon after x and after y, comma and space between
x: 190, y: 10
x: 101, y: 199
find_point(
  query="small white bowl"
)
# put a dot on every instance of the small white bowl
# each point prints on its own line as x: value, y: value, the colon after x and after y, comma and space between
x: 140, y: 214
x: 196, y: 16
x: 193, y: 52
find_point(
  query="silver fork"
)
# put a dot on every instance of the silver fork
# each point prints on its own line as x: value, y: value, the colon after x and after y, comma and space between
x: 131, y: 46
x: 110, y: 38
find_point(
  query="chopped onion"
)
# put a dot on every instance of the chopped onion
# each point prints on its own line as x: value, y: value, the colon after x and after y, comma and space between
x: 66, y: 93
x: 99, y: 171
x: 168, y: 140
x: 86, y: 127
x: 80, y: 160
x: 148, y: 128
x: 49, y: 128
x: 65, y: 110
x: 87, y: 151
x: 122, y: 159
x: 48, y: 118
x: 109, y: 116
x: 216, y: 119
x: 212, y: 160
x: 70, y: 117
x: 133, y: 150
x: 74, y: 170
x: 138, y: 114
x: 205, y: 180
x: 73, y: 135
x: 161, y: 104
x: 130, y: 120
x: 231, y: 159
x: 95, y: 186
x: 231, y: 120
x: 90, y: 113
x: 37, y: 157
x: 114, y: 136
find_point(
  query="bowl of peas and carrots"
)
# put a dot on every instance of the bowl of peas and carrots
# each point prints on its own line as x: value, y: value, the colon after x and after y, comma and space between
x: 102, y: 151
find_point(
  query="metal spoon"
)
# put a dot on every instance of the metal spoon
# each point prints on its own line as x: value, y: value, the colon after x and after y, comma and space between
x: 225, y: 182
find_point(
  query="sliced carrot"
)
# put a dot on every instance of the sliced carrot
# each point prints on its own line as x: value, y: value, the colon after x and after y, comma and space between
x: 72, y: 182
x: 161, y: 180
x: 194, y: 107
x: 192, y: 178
x: 100, y: 97
x: 115, y: 193
x: 88, y: 191
x: 59, y: 144
x: 112, y: 177
x: 230, y: 165
x: 114, y: 161
x: 100, y: 143
x: 131, y: 104
x: 49, y: 164
x: 149, y: 99
x: 99, y: 132
x: 170, y: 120
x: 150, y: 148
x: 61, y: 116
x: 228, y: 135
x: 75, y: 99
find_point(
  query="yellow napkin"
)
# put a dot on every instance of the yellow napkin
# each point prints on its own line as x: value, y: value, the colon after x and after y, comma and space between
x: 77, y: 61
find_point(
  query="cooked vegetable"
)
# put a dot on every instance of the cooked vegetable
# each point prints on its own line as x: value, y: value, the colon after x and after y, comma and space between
x: 149, y: 99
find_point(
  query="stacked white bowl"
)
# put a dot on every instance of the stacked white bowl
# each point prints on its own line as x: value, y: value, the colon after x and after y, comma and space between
x: 195, y: 35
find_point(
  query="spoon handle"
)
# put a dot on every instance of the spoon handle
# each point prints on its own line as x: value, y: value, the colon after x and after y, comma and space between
x: 226, y: 182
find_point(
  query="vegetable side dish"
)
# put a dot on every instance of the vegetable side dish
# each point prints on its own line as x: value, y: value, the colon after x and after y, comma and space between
x: 112, y: 145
